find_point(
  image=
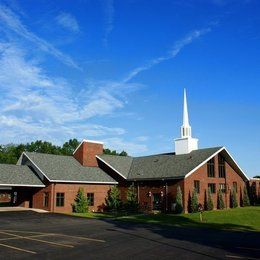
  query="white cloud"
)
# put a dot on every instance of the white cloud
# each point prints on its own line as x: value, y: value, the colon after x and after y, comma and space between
x: 34, y: 105
x: 178, y: 46
x: 68, y: 21
x: 12, y: 21
x: 132, y: 148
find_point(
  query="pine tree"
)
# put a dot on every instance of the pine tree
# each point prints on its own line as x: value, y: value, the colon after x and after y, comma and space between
x: 131, y: 197
x: 245, y: 201
x: 221, y: 204
x: 179, y: 202
x: 194, y: 202
x: 234, y: 203
x: 113, y: 201
x: 210, y: 205
x: 81, y: 202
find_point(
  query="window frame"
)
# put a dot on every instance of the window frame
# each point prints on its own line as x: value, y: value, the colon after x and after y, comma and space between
x: 60, y: 199
x: 197, y: 186
x: 91, y: 198
x: 46, y: 196
x: 221, y: 167
x: 234, y: 186
x: 223, y: 190
x: 212, y: 185
x: 211, y: 168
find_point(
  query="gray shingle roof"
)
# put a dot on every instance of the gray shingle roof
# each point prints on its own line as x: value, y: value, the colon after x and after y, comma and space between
x: 18, y: 175
x: 67, y: 168
x: 161, y: 166
x: 121, y: 163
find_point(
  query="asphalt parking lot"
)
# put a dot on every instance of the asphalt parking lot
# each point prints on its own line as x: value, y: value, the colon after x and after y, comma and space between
x: 30, y: 235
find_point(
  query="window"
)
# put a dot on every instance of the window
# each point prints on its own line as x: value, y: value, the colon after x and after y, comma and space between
x: 197, y: 186
x: 45, y: 199
x: 222, y: 187
x: 59, y: 199
x: 212, y: 187
x: 221, y: 167
x: 90, y: 197
x: 211, y: 168
x: 235, y: 186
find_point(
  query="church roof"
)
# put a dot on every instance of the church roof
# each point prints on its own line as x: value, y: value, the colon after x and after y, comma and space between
x: 18, y: 175
x: 61, y: 168
x: 164, y: 166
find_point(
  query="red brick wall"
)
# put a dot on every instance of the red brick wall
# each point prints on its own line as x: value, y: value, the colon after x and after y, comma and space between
x: 202, y: 175
x: 86, y: 153
x: 168, y: 189
x: 70, y: 190
x: 38, y: 198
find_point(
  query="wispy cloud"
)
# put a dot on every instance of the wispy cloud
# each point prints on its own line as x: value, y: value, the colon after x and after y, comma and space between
x: 12, y: 21
x: 68, y: 21
x: 178, y: 46
x: 109, y: 19
x: 34, y: 105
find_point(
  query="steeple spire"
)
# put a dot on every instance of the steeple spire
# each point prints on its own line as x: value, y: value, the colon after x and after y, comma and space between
x: 185, y: 128
x: 186, y: 143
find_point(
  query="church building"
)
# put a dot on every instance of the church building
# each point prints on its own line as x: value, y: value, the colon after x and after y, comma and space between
x: 51, y: 182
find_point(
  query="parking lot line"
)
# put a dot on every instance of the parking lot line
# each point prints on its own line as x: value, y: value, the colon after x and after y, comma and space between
x: 17, y: 248
x: 13, y: 238
x: 38, y: 240
x: 54, y: 234
x: 84, y: 238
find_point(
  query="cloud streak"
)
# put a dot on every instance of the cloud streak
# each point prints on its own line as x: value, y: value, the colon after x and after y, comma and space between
x: 68, y: 21
x: 178, y: 46
x: 14, y: 23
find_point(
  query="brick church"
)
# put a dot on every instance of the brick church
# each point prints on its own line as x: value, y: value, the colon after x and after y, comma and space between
x: 51, y: 182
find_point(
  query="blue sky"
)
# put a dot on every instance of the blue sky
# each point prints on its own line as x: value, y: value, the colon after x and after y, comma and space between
x: 115, y: 71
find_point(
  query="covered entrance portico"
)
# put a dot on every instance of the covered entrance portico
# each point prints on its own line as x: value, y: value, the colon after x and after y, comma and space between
x: 18, y: 183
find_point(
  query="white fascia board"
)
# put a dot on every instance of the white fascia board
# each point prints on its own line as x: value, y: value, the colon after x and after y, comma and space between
x: 87, y: 141
x: 196, y: 168
x: 111, y: 167
x: 237, y: 164
x: 86, y: 182
x: 36, y: 166
x: 22, y: 185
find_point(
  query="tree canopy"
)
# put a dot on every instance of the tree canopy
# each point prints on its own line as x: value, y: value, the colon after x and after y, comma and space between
x: 10, y: 153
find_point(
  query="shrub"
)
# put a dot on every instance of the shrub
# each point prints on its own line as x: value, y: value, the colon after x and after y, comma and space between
x: 81, y: 202
x: 245, y: 200
x: 113, y: 201
x: 194, y: 202
x: 179, y: 202
x: 131, y: 197
x: 210, y: 205
x: 221, y: 204
x: 233, y: 202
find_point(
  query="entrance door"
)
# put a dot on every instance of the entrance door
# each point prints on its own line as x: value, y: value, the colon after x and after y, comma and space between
x: 156, y: 201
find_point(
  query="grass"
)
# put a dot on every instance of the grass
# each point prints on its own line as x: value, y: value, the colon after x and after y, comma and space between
x: 239, y: 219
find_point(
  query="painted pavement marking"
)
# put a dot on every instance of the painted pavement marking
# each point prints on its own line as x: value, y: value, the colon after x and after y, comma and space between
x: 38, y: 240
x: 18, y: 249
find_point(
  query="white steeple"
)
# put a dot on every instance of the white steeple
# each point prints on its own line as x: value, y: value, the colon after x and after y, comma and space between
x: 185, y: 128
x: 186, y: 143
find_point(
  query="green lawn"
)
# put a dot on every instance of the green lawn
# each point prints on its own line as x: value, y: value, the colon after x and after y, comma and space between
x: 242, y: 219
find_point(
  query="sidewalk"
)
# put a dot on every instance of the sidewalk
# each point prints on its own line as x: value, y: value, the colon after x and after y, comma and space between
x: 6, y: 209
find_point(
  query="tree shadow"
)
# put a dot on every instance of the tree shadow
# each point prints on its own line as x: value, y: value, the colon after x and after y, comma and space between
x: 242, y: 242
